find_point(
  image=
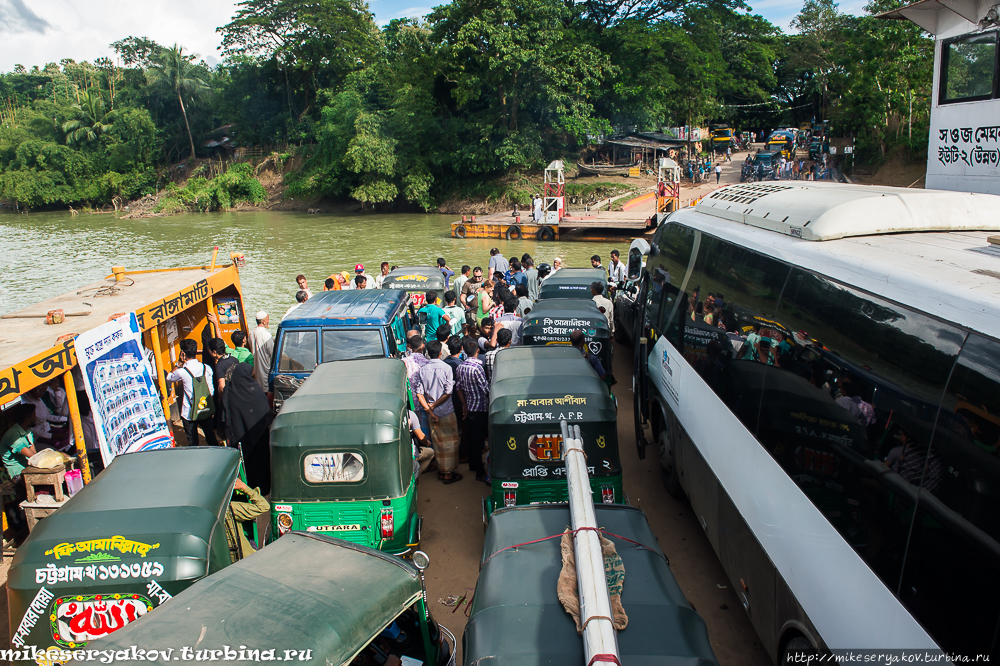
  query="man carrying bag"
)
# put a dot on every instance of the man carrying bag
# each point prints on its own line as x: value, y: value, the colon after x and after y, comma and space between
x: 197, y: 405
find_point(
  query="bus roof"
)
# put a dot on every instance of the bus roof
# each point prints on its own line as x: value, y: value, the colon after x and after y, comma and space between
x: 353, y: 307
x: 954, y: 276
x: 828, y: 211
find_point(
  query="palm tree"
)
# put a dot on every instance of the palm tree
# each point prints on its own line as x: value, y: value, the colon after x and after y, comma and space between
x: 171, y: 68
x: 93, y: 119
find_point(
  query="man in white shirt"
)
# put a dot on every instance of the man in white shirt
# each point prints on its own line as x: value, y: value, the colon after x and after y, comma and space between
x: 459, y: 282
x: 616, y: 269
x: 597, y: 290
x: 303, y: 284
x: 188, y: 370
x: 384, y: 270
x: 263, y: 346
x: 300, y: 298
x: 536, y: 209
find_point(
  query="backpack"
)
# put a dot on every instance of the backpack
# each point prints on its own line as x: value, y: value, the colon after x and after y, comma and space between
x: 202, y: 405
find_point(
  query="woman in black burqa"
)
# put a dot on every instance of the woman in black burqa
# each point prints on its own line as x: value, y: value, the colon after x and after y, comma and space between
x: 248, y: 422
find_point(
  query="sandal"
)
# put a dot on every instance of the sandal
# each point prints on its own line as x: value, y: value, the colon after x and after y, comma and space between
x: 454, y: 478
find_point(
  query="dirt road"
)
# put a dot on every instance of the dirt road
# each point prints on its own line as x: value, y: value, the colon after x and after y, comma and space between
x: 453, y: 538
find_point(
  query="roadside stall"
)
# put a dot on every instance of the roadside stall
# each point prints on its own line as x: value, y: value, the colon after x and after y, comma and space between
x: 342, y: 460
x: 149, y: 526
x: 572, y: 283
x: 308, y: 598
x: 533, y: 389
x: 553, y: 320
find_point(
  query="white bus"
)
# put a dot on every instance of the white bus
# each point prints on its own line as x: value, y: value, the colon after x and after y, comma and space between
x: 819, y: 366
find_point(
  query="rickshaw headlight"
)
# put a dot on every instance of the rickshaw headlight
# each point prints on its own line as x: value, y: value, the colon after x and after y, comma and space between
x: 284, y: 523
x: 386, y: 523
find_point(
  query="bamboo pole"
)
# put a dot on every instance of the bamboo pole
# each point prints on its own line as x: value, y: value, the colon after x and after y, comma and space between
x: 74, y: 418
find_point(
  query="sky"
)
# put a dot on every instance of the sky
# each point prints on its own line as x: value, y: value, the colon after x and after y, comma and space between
x: 36, y: 32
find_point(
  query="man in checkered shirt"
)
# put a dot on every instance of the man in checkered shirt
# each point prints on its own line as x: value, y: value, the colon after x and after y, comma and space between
x: 474, y: 395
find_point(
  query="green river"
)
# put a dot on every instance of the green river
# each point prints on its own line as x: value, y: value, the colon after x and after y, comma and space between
x: 47, y: 254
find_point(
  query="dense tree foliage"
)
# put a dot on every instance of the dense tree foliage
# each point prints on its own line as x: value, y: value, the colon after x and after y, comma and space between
x: 416, y: 111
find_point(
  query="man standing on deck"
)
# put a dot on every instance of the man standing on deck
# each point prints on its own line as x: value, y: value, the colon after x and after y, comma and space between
x: 531, y: 273
x: 536, y: 209
x: 263, y: 346
x: 467, y: 299
x: 616, y: 269
x: 459, y: 282
x: 497, y: 262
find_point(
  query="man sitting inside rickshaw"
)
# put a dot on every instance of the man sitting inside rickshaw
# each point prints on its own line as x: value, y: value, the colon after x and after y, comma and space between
x: 243, y: 512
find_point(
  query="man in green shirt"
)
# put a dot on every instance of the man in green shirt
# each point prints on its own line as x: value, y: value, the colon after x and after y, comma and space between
x: 18, y: 443
x: 432, y: 316
x: 239, y: 350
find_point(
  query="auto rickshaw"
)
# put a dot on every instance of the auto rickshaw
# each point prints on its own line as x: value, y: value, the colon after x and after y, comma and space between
x: 417, y: 281
x: 308, y: 598
x: 552, y: 320
x: 572, y: 283
x: 342, y: 460
x: 146, y: 528
x: 516, y: 616
x: 533, y: 389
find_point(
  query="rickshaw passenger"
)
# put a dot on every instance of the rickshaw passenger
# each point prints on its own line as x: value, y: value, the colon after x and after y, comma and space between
x: 244, y: 512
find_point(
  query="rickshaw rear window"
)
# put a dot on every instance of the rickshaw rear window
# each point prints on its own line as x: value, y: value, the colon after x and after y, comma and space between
x: 298, y: 352
x: 333, y: 468
x: 346, y: 345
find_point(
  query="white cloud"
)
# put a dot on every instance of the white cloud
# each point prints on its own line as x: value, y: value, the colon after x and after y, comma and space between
x: 83, y: 29
x: 409, y: 12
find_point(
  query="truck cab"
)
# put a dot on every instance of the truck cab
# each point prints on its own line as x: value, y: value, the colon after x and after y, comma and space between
x: 336, y: 326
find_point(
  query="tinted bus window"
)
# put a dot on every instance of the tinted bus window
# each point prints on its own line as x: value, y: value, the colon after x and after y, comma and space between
x: 951, y: 577
x: 298, y: 351
x: 880, y: 371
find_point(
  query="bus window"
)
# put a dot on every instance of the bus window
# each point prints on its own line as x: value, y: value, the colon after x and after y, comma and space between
x: 346, y: 344
x: 951, y: 577
x: 298, y: 351
x: 875, y: 372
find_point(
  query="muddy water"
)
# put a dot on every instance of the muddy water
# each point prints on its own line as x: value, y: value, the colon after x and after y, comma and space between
x: 46, y: 254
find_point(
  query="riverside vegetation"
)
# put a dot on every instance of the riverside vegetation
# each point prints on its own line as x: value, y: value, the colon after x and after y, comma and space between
x: 456, y: 105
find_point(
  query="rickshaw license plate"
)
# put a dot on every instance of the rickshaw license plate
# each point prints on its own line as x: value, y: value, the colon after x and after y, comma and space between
x: 419, y: 298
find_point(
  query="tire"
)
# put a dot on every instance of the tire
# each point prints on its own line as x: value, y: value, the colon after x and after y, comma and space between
x: 799, y: 645
x: 461, y: 231
x: 513, y: 233
x: 546, y: 234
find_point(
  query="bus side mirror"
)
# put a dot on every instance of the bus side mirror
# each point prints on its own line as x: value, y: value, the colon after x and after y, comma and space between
x: 636, y: 252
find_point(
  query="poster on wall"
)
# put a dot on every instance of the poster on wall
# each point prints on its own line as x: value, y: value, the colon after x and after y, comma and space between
x: 126, y: 406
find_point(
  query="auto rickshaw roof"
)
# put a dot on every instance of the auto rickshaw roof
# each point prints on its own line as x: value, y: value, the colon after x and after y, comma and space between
x: 302, y: 592
x: 517, y: 618
x: 351, y: 307
x: 171, y: 497
x: 557, y: 372
x: 576, y: 276
x: 367, y: 393
x: 434, y: 276
x: 567, y: 313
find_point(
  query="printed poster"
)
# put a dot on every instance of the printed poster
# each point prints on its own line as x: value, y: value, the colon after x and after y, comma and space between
x: 128, y: 414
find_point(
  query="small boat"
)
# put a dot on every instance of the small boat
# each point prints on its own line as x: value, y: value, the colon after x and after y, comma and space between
x: 603, y: 169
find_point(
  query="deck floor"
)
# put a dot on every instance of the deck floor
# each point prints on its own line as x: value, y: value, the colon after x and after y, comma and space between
x: 23, y: 338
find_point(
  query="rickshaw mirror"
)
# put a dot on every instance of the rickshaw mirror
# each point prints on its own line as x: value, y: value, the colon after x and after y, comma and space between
x: 420, y: 560
x: 636, y: 252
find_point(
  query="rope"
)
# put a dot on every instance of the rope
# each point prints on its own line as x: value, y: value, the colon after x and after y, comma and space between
x: 599, y: 530
x: 578, y: 450
x: 608, y: 658
x: 596, y: 617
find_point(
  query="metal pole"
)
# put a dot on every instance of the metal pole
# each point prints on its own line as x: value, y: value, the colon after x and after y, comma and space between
x: 599, y: 636
x: 74, y: 417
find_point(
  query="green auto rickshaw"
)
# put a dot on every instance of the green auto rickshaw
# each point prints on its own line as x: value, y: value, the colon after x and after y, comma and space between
x: 552, y: 320
x: 572, y: 283
x: 417, y: 281
x: 308, y: 598
x: 516, y: 618
x: 342, y: 459
x: 147, y: 527
x: 533, y: 389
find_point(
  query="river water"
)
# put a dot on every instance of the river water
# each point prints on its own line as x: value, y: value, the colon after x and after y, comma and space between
x: 47, y: 254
